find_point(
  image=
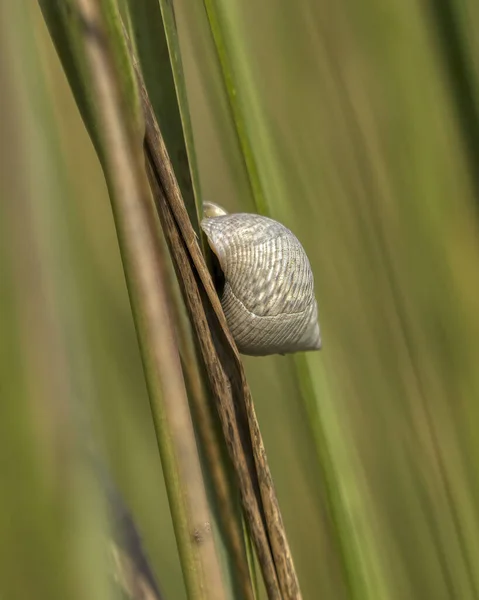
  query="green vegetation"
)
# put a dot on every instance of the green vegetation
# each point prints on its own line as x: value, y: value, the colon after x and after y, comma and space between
x: 356, y: 126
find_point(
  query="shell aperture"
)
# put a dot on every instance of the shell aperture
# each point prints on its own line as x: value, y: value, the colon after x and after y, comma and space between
x: 268, y: 293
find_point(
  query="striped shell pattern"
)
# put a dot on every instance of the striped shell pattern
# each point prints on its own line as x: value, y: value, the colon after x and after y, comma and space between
x: 268, y: 295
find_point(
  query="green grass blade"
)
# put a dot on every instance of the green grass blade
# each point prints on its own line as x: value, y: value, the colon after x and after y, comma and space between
x: 223, y: 171
x: 119, y: 140
x: 156, y: 41
x: 221, y: 30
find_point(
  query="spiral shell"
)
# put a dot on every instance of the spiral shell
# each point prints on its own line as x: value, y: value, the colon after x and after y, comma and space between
x: 268, y: 294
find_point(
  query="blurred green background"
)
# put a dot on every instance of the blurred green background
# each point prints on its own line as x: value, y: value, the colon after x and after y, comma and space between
x: 360, y: 121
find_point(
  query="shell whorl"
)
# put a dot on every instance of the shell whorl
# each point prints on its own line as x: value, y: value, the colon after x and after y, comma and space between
x: 268, y: 296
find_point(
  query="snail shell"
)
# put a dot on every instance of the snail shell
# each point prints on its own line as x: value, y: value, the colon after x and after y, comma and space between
x: 268, y: 293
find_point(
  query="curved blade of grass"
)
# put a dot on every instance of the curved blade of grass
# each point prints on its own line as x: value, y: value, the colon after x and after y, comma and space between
x: 124, y: 539
x: 118, y: 137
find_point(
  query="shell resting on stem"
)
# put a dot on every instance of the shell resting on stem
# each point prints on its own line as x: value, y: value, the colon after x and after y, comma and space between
x: 268, y: 292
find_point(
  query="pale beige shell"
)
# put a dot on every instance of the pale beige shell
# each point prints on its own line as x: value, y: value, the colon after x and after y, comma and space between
x: 268, y: 295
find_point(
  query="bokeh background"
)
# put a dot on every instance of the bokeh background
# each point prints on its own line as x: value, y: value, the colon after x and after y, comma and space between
x: 362, y: 122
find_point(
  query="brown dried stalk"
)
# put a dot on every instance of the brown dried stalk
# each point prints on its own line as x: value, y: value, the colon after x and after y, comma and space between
x: 224, y: 368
